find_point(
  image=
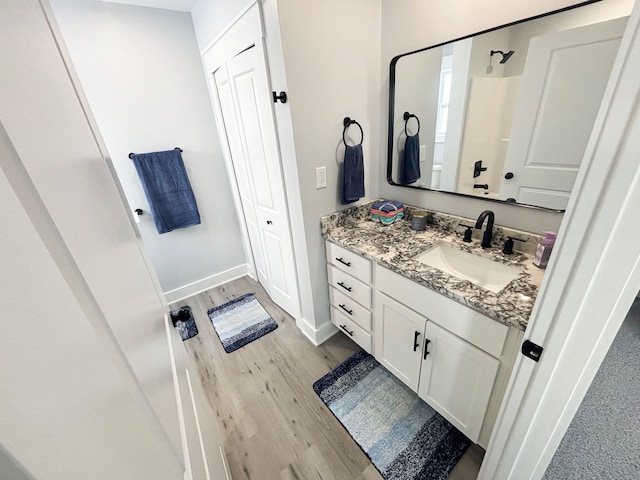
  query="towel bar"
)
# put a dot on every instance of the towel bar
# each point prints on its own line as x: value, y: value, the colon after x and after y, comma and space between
x: 177, y: 148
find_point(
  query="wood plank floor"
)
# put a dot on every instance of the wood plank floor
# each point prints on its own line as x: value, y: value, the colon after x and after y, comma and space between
x: 274, y: 425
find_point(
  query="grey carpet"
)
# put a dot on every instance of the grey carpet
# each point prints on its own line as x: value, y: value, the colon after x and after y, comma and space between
x: 602, y: 440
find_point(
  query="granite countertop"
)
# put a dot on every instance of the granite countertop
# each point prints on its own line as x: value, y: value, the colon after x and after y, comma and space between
x: 395, y: 245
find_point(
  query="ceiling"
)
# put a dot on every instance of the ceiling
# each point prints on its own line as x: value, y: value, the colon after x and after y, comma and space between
x: 178, y: 5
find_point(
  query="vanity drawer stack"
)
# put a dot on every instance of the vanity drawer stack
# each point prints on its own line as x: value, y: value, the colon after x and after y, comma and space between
x: 350, y: 294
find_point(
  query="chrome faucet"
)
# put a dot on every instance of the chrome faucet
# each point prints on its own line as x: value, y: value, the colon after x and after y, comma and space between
x: 488, y: 233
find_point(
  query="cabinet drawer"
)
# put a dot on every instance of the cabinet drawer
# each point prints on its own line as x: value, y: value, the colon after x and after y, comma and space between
x: 350, y: 308
x: 345, y: 283
x: 351, y: 329
x: 477, y: 329
x: 349, y: 262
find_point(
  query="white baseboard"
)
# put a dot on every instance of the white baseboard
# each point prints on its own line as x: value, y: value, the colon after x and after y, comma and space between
x: 206, y: 283
x: 319, y: 335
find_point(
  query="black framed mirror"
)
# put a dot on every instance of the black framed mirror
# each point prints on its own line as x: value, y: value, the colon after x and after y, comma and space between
x: 504, y: 114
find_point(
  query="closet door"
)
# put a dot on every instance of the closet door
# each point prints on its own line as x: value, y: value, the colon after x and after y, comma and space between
x: 247, y: 74
x: 242, y: 173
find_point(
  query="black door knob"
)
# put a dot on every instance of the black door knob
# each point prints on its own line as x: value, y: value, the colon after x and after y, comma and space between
x: 269, y: 222
x: 508, y: 175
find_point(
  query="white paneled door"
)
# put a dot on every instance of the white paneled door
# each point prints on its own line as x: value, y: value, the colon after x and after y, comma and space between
x: 556, y: 110
x: 242, y: 172
x: 245, y: 102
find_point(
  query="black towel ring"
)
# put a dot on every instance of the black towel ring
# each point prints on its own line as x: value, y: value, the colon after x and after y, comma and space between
x: 407, y: 116
x: 177, y: 148
x: 346, y: 122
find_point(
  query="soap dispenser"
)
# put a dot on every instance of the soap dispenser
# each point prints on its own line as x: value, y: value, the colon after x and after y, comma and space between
x: 541, y: 258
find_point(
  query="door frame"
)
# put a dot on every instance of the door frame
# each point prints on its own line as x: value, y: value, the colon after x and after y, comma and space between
x: 590, y: 284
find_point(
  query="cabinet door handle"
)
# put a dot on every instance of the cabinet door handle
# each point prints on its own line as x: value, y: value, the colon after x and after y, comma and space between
x: 348, y: 264
x: 348, y: 289
x: 350, y: 312
x: 269, y: 222
x: 426, y: 348
x: 343, y: 327
x: 415, y: 341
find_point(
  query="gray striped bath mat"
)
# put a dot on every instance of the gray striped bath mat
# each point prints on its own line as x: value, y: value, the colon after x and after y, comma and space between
x: 402, y: 435
x: 240, y: 321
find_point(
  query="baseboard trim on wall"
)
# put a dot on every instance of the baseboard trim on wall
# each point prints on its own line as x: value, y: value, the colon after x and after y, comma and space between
x: 206, y: 283
x: 319, y: 335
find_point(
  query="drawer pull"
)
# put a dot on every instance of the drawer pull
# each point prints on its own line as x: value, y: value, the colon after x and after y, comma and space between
x: 348, y: 289
x: 350, y: 312
x: 343, y: 327
x: 348, y: 264
x: 426, y: 348
x: 415, y: 340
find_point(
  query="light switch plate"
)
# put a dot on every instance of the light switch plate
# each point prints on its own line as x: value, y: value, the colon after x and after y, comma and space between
x: 423, y: 153
x: 321, y: 177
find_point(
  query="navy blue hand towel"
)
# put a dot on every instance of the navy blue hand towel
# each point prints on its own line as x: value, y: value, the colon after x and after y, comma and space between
x: 411, y: 166
x: 166, y: 185
x: 352, y: 174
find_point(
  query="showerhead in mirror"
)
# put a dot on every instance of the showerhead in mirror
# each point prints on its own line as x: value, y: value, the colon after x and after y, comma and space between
x: 505, y: 56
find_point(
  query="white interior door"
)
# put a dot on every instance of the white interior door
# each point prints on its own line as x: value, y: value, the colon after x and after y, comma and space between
x: 242, y: 173
x: 255, y: 130
x: 562, y: 86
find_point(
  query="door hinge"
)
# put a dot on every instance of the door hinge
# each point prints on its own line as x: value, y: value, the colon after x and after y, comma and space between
x: 531, y: 350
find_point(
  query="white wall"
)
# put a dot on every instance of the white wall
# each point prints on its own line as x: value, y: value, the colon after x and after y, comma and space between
x: 211, y: 17
x: 331, y: 58
x: 142, y: 75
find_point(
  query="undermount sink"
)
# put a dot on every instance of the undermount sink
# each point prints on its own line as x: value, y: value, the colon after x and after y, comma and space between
x: 486, y: 273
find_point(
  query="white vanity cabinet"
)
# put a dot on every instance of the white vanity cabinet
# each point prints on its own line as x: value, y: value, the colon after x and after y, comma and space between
x: 450, y: 374
x: 350, y: 294
x: 455, y: 358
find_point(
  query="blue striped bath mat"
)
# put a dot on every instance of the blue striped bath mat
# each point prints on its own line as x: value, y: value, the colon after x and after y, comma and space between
x: 241, y: 321
x: 402, y: 435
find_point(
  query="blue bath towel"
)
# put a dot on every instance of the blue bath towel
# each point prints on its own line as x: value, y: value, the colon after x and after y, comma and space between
x: 352, y: 174
x: 167, y: 188
x: 411, y: 166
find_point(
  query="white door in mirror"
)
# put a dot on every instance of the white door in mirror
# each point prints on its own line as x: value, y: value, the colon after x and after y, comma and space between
x: 556, y: 110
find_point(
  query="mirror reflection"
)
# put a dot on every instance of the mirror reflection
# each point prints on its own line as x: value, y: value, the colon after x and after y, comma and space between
x: 504, y: 115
